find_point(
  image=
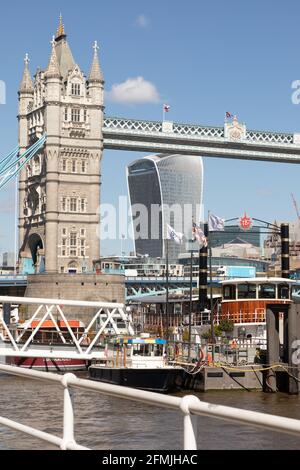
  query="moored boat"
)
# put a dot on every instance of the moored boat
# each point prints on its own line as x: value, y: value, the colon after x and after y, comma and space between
x: 46, y: 338
x: 245, y: 303
x: 140, y: 363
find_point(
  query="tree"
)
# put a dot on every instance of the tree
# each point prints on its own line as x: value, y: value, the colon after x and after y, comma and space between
x: 226, y: 325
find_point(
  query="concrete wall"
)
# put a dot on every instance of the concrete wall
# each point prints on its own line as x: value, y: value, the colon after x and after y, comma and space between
x: 217, y: 378
x: 94, y: 287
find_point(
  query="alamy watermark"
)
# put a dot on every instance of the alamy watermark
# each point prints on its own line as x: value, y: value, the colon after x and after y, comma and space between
x: 138, y: 221
x: 2, y: 92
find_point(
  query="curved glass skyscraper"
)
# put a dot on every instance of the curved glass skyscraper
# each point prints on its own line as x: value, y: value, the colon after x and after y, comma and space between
x: 164, y: 190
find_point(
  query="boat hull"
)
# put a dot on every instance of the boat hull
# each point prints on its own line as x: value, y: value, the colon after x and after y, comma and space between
x: 155, y: 380
x: 45, y: 364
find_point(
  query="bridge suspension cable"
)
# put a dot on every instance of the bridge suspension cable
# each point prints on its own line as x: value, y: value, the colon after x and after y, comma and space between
x: 11, y: 156
x: 13, y: 163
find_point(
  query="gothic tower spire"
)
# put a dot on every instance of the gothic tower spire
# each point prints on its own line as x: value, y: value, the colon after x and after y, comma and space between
x: 60, y: 33
x: 53, y: 67
x: 26, y: 85
x: 96, y: 75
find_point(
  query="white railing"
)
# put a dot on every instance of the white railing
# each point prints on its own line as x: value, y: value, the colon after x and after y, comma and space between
x: 189, y: 406
x: 105, y: 315
x: 142, y: 126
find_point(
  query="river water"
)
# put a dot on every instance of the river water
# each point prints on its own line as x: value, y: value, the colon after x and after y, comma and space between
x: 106, y: 423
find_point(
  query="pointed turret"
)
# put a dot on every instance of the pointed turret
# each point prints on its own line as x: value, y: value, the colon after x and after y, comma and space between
x: 53, y: 67
x: 60, y: 33
x: 64, y: 55
x: 26, y: 85
x: 96, y: 75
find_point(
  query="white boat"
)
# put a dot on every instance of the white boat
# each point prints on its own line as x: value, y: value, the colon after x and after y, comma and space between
x: 139, y: 362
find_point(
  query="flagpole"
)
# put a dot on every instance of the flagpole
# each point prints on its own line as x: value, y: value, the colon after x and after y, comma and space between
x: 191, y: 305
x: 167, y: 287
x: 212, y: 326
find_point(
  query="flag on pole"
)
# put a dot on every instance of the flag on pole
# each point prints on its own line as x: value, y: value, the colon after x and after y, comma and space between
x: 172, y: 235
x: 198, y: 235
x: 228, y: 115
x: 215, y: 223
x: 166, y: 108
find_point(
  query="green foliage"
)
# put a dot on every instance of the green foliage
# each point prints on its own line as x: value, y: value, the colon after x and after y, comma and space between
x: 226, y: 325
x: 207, y: 334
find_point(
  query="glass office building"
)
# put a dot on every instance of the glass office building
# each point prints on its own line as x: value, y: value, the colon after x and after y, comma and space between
x: 164, y: 190
x: 252, y: 236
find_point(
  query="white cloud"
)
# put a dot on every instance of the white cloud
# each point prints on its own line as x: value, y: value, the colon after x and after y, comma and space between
x: 142, y: 21
x: 134, y: 91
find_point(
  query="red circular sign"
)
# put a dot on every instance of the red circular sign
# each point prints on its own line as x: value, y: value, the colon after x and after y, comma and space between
x: 245, y: 222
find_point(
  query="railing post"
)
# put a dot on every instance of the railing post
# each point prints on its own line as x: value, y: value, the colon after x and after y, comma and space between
x: 68, y: 431
x: 189, y: 423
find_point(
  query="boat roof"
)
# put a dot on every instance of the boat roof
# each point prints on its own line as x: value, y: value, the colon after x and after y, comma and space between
x: 161, y: 299
x: 51, y: 324
x: 259, y: 280
x: 140, y: 341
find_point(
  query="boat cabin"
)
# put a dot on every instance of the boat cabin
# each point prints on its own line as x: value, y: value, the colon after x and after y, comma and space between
x: 140, y: 352
x: 49, y: 332
x: 246, y: 300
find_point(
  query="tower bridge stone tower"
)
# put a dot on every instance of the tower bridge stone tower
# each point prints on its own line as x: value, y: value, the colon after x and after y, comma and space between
x: 59, y: 190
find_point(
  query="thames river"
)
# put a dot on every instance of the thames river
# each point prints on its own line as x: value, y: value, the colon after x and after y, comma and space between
x: 106, y: 423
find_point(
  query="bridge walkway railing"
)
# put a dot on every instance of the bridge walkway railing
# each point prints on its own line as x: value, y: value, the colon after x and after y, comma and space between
x: 189, y: 406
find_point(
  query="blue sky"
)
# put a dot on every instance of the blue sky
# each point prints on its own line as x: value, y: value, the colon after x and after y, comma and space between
x: 203, y: 58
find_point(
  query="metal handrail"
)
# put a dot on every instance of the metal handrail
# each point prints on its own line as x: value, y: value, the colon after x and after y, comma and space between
x: 189, y: 405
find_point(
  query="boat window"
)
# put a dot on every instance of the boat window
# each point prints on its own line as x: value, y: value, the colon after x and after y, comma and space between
x: 159, y: 349
x: 229, y: 292
x: 142, y: 350
x: 266, y: 291
x: 246, y: 291
x: 283, y: 291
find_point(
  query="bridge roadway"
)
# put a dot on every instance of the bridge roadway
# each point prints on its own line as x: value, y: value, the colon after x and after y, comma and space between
x: 231, y: 141
x: 135, y: 286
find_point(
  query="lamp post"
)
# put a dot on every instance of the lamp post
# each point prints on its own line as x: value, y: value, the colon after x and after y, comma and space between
x: 190, y: 248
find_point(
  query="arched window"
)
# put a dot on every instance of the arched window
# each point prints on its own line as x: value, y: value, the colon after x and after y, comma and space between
x: 73, y: 267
